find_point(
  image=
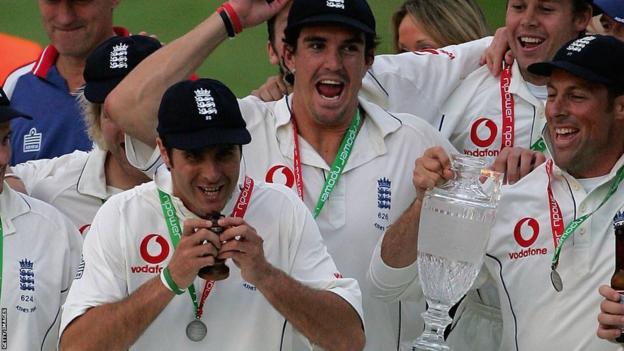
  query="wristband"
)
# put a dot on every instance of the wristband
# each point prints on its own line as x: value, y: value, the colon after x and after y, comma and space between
x: 229, y: 28
x: 169, y: 283
x: 238, y: 27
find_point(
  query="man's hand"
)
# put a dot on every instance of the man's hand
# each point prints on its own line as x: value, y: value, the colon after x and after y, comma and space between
x: 272, y: 90
x: 197, y: 248
x: 244, y: 246
x: 254, y: 12
x: 431, y: 169
x: 497, y: 52
x: 516, y: 162
x: 611, y: 317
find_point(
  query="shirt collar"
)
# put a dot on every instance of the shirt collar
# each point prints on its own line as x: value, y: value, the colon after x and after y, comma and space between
x: 92, y: 180
x: 12, y: 205
x: 49, y: 55
x: 519, y: 87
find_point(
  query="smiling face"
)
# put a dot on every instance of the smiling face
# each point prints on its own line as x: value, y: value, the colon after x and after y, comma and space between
x: 585, y: 131
x: 536, y: 29
x: 329, y: 63
x: 203, y: 179
x: 412, y: 37
x: 76, y: 27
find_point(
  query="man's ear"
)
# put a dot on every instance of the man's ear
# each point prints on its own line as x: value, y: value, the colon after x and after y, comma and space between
x: 163, y: 152
x: 273, y: 56
x: 288, y: 57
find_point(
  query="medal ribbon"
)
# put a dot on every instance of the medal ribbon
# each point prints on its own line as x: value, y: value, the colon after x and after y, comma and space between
x: 560, y: 236
x: 346, y: 146
x: 509, y: 114
x: 175, y: 233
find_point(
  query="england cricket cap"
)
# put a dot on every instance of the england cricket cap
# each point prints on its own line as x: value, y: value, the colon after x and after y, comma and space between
x: 352, y: 13
x: 6, y: 112
x: 612, y: 8
x: 200, y: 113
x: 112, y: 60
x: 595, y: 58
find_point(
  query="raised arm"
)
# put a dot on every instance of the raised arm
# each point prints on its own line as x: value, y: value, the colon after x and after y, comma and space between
x: 134, y: 102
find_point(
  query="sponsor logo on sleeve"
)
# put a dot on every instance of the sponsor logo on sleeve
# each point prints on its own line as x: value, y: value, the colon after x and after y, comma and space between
x: 154, y: 249
x: 526, y: 232
x: 32, y: 141
x: 280, y: 174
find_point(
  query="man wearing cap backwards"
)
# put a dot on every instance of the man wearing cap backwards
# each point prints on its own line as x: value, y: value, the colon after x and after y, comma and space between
x: 320, y: 136
x: 47, y: 88
x: 612, y: 16
x: 264, y: 229
x: 39, y: 255
x: 548, y: 297
x: 80, y: 182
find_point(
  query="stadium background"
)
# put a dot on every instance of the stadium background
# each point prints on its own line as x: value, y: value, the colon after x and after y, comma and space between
x: 241, y: 63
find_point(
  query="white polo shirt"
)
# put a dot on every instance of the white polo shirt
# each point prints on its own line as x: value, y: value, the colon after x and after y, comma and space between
x: 74, y: 183
x: 41, y: 255
x: 373, y: 191
x: 419, y: 82
x: 129, y: 244
x: 535, y: 316
x: 472, y: 116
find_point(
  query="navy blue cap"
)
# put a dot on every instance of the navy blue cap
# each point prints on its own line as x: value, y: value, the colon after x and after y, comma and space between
x: 6, y: 112
x: 612, y: 8
x: 112, y: 60
x: 596, y: 58
x: 200, y: 113
x: 352, y: 13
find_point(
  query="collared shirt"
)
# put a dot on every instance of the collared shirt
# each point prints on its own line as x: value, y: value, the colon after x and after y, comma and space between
x: 373, y: 191
x: 40, y: 257
x: 128, y: 244
x: 74, y: 183
x: 57, y: 127
x: 419, y: 82
x: 472, y: 116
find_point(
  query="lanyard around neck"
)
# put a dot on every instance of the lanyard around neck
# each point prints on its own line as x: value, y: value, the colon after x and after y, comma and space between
x: 509, y: 114
x: 337, y: 167
x: 175, y: 233
x: 561, y: 234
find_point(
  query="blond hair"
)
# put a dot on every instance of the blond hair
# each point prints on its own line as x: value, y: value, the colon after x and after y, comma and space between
x: 91, y: 114
x: 447, y: 22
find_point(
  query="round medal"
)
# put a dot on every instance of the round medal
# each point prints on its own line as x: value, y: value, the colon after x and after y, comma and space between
x: 555, y: 278
x: 196, y: 330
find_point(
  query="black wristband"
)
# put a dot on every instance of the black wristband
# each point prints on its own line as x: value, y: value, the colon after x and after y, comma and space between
x: 228, y: 23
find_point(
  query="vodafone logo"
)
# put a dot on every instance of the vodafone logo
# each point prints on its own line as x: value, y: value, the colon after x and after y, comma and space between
x: 154, y: 249
x: 526, y: 231
x: 280, y: 174
x: 483, y: 132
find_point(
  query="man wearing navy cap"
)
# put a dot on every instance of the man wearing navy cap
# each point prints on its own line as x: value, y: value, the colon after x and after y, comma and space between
x: 612, y: 18
x: 39, y: 255
x: 258, y: 252
x: 346, y: 158
x: 79, y: 182
x: 552, y: 243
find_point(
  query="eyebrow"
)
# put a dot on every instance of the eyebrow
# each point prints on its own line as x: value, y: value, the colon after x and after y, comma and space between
x: 315, y: 38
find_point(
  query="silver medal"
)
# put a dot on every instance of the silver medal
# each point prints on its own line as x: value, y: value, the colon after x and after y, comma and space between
x: 555, y: 278
x: 196, y: 330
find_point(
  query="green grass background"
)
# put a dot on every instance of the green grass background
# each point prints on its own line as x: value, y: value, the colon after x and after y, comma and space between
x: 241, y: 63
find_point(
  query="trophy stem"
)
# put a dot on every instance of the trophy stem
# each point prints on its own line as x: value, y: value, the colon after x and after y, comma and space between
x: 436, y: 320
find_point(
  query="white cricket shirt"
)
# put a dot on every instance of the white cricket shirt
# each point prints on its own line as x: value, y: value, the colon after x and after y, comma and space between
x: 129, y: 244
x: 40, y: 257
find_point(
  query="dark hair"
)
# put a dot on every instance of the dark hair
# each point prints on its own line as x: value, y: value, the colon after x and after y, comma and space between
x: 271, y: 29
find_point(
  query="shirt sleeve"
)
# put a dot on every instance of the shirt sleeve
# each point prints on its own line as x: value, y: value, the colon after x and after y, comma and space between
x: 419, y: 82
x: 142, y: 157
x: 99, y: 279
x: 31, y: 172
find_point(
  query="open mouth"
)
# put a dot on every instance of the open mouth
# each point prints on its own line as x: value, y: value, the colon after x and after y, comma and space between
x: 530, y: 42
x: 210, y: 190
x: 330, y: 89
x: 565, y: 134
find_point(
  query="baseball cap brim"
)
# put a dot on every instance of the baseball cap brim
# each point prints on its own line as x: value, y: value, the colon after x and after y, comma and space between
x: 7, y: 114
x: 546, y: 68
x: 97, y: 91
x: 332, y: 18
x: 612, y: 8
x: 207, y: 137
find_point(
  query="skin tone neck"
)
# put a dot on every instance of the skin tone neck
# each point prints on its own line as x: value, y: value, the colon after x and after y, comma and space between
x: 71, y: 69
x: 121, y: 177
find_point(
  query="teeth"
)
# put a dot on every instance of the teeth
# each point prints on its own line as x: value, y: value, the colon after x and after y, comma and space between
x: 564, y: 130
x: 332, y: 82
x: 209, y: 189
x: 531, y: 40
x: 330, y: 98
